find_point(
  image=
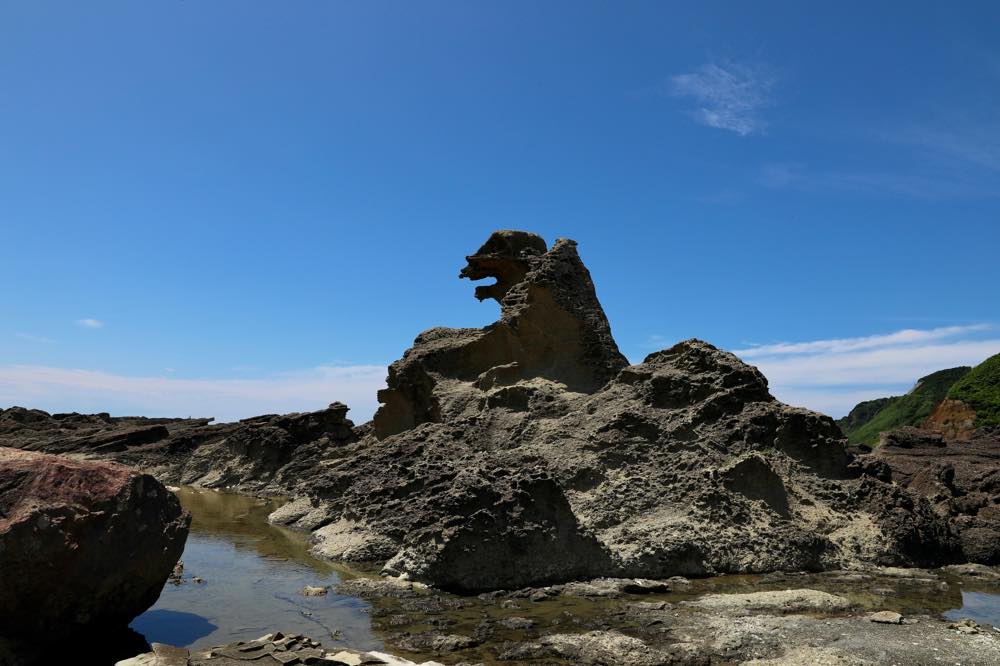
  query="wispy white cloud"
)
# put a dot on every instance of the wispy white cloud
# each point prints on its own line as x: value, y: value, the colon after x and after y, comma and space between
x: 835, y: 374
x: 969, y: 142
x: 64, y: 389
x: 926, y: 185
x: 906, y: 337
x: 729, y: 96
x: 35, y: 338
x: 90, y: 323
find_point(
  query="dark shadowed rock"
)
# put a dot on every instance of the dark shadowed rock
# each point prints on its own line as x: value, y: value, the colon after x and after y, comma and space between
x: 960, y: 476
x: 82, y: 544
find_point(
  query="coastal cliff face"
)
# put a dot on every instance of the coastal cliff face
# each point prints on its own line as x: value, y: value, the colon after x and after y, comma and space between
x: 529, y: 451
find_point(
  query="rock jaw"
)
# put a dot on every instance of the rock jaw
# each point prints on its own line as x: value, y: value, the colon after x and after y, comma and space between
x: 551, y: 326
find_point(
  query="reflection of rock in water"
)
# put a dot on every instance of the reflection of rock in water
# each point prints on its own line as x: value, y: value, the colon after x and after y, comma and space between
x: 174, y: 627
x: 242, y: 520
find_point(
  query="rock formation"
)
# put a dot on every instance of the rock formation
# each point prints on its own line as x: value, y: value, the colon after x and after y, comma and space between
x: 530, y: 451
x: 960, y: 477
x: 269, y: 453
x: 551, y: 328
x: 83, y: 545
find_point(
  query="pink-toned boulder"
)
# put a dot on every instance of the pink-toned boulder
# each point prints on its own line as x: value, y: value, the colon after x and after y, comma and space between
x: 83, y: 544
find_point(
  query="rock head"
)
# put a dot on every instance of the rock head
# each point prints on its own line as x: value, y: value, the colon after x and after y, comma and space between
x: 551, y: 327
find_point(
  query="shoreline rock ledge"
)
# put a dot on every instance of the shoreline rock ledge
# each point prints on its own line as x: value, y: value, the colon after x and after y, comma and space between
x: 530, y: 452
x: 84, y: 545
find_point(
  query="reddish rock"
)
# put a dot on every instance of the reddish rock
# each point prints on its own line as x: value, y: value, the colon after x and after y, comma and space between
x: 960, y: 476
x: 82, y: 544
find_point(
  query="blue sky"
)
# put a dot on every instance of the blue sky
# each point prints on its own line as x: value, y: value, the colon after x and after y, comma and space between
x: 227, y: 208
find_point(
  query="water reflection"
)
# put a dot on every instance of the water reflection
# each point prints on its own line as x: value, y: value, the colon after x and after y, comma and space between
x: 983, y: 607
x: 173, y: 627
x: 252, y: 574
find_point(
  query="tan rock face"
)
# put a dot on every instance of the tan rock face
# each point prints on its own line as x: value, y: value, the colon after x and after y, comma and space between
x: 551, y: 326
x: 530, y: 452
x: 82, y: 544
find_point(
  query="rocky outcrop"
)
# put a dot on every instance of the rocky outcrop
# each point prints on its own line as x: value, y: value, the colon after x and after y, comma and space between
x: 529, y: 452
x: 551, y: 328
x: 83, y: 545
x: 270, y: 453
x: 960, y: 477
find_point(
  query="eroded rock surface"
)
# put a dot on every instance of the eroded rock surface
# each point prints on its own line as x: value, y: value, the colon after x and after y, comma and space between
x: 82, y: 544
x: 529, y: 452
x: 269, y: 453
x: 959, y: 475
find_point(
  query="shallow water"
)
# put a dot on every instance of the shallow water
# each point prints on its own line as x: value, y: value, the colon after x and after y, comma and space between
x: 254, y: 572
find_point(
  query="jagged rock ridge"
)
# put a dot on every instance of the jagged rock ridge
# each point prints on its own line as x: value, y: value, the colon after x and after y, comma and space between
x: 529, y: 451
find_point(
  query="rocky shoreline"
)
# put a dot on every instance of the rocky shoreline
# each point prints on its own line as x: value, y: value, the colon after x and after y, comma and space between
x: 528, y: 455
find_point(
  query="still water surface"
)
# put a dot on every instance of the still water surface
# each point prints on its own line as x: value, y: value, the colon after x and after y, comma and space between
x: 254, y: 573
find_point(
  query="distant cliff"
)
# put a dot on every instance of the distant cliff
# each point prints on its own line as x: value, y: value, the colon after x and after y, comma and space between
x: 868, y: 419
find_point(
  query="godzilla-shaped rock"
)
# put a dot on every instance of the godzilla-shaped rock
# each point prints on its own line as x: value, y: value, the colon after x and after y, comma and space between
x: 82, y: 544
x: 551, y: 327
x: 529, y: 452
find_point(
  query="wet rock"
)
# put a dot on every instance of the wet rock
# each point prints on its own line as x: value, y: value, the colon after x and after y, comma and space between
x: 435, y: 642
x: 612, y: 647
x: 312, y: 591
x: 782, y: 601
x: 82, y: 544
x: 965, y: 626
x: 886, y: 617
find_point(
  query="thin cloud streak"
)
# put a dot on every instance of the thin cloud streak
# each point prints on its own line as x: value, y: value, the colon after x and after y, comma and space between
x: 904, y: 337
x: 90, y: 323
x: 35, y: 338
x: 64, y: 389
x: 833, y: 375
x: 729, y: 96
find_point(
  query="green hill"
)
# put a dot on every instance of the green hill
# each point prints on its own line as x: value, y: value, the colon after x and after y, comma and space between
x: 868, y: 419
x: 980, y: 390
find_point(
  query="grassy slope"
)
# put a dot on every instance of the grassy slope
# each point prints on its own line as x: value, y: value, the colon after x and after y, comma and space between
x: 909, y: 409
x: 980, y: 390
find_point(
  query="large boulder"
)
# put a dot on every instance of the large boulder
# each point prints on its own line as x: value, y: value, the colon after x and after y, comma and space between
x: 82, y: 544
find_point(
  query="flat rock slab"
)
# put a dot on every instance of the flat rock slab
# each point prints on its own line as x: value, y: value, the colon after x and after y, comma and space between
x: 275, y: 649
x: 780, y: 602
